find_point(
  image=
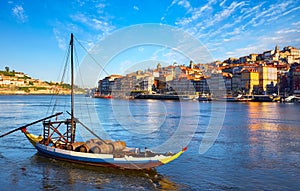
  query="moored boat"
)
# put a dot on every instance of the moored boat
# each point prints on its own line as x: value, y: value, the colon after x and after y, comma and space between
x: 98, y: 95
x: 127, y: 158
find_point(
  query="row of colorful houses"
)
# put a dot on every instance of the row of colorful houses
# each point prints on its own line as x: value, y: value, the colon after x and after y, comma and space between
x: 273, y: 75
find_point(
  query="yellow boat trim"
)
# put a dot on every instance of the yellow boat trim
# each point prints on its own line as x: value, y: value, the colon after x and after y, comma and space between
x: 33, y: 138
x: 171, y: 158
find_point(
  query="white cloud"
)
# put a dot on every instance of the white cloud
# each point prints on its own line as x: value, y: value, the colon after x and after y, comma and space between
x: 19, y: 12
x: 225, y: 13
x: 235, y: 31
x: 234, y: 24
x: 289, y: 11
x: 60, y: 39
x: 95, y: 23
x: 185, y: 3
x: 136, y: 8
x: 262, y: 43
x: 100, y: 8
x: 234, y: 38
x: 125, y: 65
x: 100, y: 5
x: 286, y: 31
x: 222, y: 3
x: 296, y: 23
x: 270, y: 14
x: 196, y: 14
x: 230, y: 53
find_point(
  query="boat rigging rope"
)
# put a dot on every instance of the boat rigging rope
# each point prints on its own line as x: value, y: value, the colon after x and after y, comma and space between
x: 81, y: 81
x: 86, y: 127
x: 54, y: 100
x: 80, y: 74
x: 92, y: 57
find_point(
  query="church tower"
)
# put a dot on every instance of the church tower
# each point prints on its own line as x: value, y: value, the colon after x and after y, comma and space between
x: 277, y: 49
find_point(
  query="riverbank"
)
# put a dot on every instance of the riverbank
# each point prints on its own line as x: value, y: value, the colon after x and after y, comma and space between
x: 8, y: 91
x: 254, y: 98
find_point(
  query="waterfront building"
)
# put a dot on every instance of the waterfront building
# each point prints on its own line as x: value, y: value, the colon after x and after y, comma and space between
x: 201, y: 86
x: 182, y: 86
x: 227, y: 81
x: 177, y: 72
x: 122, y: 87
x: 294, y: 56
x: 217, y: 85
x: 146, y: 83
x: 295, y: 79
x: 268, y: 54
x: 105, y: 85
x: 267, y: 79
x: 232, y: 61
x: 237, y: 85
x: 250, y: 80
x: 283, y: 83
x: 244, y: 59
x: 253, y: 57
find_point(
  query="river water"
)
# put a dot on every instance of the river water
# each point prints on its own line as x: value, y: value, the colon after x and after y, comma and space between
x: 231, y: 146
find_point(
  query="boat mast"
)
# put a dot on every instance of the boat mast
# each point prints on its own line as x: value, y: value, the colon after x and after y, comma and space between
x: 72, y: 92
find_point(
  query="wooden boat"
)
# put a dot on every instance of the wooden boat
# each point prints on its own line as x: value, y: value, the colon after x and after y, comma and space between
x: 125, y: 159
x: 58, y: 142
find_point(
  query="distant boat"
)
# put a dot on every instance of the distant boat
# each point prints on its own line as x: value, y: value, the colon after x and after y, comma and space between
x: 290, y: 99
x: 262, y: 98
x: 204, y: 97
x: 244, y: 98
x: 227, y: 99
x: 58, y: 142
x: 98, y: 95
x: 158, y: 96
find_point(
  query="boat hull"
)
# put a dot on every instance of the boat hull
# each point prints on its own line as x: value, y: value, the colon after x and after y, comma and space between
x: 104, y: 160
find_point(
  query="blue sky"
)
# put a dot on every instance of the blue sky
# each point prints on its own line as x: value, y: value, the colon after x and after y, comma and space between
x: 34, y: 33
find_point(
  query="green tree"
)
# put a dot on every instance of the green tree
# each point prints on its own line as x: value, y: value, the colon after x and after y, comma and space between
x: 7, y: 69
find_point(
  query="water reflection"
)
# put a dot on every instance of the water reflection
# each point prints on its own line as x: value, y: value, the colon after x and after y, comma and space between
x: 270, y: 135
x: 58, y: 174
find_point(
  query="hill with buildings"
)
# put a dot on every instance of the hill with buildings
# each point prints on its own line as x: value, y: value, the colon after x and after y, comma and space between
x: 12, y: 82
x: 271, y: 72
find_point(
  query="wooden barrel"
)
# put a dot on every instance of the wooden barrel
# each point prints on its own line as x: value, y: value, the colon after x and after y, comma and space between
x: 75, y: 146
x: 85, y: 148
x: 95, y: 149
x: 98, y: 141
x: 106, y: 148
x: 119, y: 145
x: 108, y: 141
x: 92, y: 141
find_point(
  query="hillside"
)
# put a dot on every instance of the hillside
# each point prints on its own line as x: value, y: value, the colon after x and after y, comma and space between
x: 12, y: 82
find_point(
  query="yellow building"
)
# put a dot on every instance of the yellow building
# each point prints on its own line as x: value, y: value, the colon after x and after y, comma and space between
x: 267, y: 79
x: 250, y: 80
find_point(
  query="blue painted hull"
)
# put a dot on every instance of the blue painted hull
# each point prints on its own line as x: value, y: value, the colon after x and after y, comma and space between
x: 106, y: 160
